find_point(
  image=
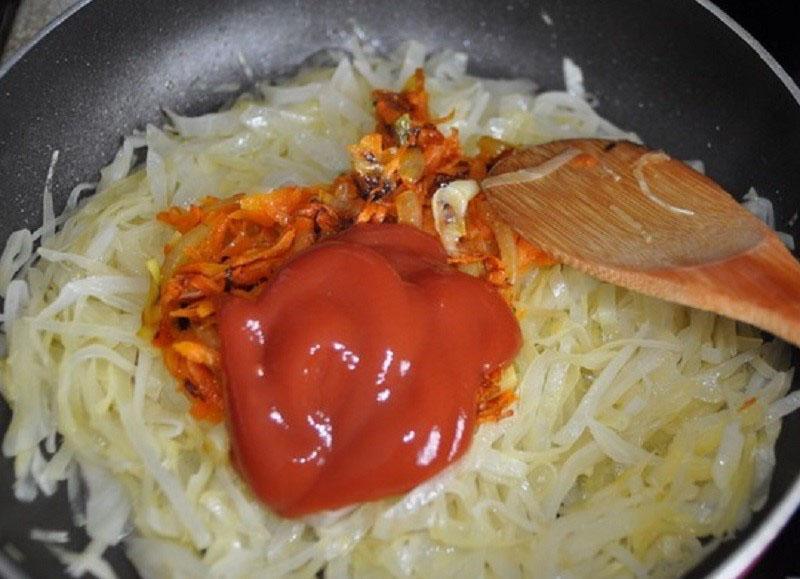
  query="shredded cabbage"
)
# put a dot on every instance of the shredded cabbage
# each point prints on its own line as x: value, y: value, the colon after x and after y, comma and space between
x: 48, y: 212
x: 761, y: 207
x: 534, y: 173
x: 573, y: 78
x: 638, y: 172
x: 644, y: 432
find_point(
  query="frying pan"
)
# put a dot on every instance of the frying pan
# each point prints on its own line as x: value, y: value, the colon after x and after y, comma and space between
x: 681, y: 74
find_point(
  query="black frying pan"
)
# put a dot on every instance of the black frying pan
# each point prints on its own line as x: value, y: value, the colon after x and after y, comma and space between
x: 678, y: 72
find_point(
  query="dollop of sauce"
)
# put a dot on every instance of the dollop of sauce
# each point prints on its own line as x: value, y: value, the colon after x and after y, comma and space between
x: 354, y: 374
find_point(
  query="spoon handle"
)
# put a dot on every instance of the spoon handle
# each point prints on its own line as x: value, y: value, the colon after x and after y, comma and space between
x: 760, y: 286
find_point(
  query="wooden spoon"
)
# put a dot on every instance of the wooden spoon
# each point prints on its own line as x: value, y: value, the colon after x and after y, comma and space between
x: 638, y: 219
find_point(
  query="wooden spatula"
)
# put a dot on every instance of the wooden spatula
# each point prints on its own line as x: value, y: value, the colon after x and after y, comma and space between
x: 638, y: 219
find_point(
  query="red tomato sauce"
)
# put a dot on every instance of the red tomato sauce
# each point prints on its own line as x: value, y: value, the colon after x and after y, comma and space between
x: 353, y: 375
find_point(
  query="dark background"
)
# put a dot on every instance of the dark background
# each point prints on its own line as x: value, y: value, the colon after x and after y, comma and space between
x: 775, y: 25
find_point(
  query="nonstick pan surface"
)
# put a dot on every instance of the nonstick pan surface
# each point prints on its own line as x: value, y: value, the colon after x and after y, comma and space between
x: 679, y: 73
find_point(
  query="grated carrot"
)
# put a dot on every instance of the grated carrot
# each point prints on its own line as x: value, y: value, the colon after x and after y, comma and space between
x: 234, y: 246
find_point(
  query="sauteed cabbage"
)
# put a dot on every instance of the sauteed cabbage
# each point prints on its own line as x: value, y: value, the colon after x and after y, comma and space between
x: 643, y: 435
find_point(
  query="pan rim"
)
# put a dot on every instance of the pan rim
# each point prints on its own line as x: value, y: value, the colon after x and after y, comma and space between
x: 757, y: 47
x: 709, y: 5
x: 20, y: 52
x: 738, y: 563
